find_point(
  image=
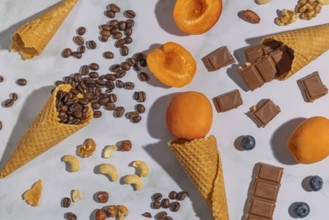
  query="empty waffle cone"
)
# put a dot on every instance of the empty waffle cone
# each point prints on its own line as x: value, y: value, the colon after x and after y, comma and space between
x: 201, y: 161
x: 307, y: 44
x: 45, y: 132
x: 31, y: 39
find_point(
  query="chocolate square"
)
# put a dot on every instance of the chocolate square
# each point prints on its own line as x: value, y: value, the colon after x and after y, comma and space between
x: 313, y: 86
x: 271, y: 46
x: 266, y: 68
x: 218, y: 59
x: 261, y: 207
x: 228, y: 101
x: 251, y: 77
x: 253, y: 53
x: 266, y: 189
x: 265, y: 112
x: 270, y: 173
x: 254, y: 217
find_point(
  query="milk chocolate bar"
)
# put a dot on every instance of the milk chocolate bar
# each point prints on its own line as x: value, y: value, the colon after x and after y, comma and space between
x: 217, y: 59
x: 313, y: 86
x: 265, y: 111
x: 255, y: 52
x: 228, y: 101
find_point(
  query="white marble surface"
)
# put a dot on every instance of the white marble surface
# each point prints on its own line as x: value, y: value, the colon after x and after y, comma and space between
x: 154, y: 25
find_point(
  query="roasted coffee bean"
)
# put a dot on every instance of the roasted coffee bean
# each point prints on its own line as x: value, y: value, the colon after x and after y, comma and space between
x: 128, y: 40
x: 131, y: 115
x: 174, y: 206
x: 114, y: 8
x: 115, y: 67
x: 140, y: 96
x: 147, y: 215
x: 136, y: 67
x: 115, y: 30
x: 156, y: 197
x: 66, y: 52
x: 125, y: 66
x: 122, y: 25
x: 129, y: 85
x: 143, y: 76
x: 142, y: 62
x: 161, y: 215
x: 81, y: 30
x: 124, y: 50
x: 103, y: 38
x: 119, y: 84
x: 138, y: 56
x: 168, y: 218
x: 71, y: 216
x: 102, y: 196
x: 95, y: 105
x: 172, y: 194
x: 119, y: 74
x: 110, y: 13
x: 84, y: 70
x: 117, y: 35
x: 119, y: 43
x: 8, y: 103
x: 1, y: 78
x: 110, y: 106
x: 21, y: 82
x: 129, y: 14
x: 78, y: 40
x: 119, y: 111
x: 103, y: 101
x: 93, y: 66
x: 77, y: 55
x: 110, y: 77
x: 66, y: 202
x: 83, y: 101
x: 83, y: 85
x: 81, y: 49
x: 114, y: 23
x: 106, y: 27
x: 156, y: 205
x: 100, y: 82
x: 77, y: 77
x: 91, y: 44
x: 130, y: 23
x: 165, y: 203
x: 75, y: 92
x: 140, y: 108
x: 14, y: 96
x: 59, y: 82
x: 181, y: 195
x: 112, y: 98
x: 106, y: 33
x: 93, y: 75
x: 131, y: 61
x: 97, y: 114
x: 108, y: 55
x: 128, y: 32
x: 67, y: 79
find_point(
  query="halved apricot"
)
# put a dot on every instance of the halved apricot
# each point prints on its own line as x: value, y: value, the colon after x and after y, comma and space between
x: 197, y: 16
x: 172, y: 64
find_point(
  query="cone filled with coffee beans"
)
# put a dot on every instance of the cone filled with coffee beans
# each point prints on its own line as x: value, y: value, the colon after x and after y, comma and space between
x: 64, y: 113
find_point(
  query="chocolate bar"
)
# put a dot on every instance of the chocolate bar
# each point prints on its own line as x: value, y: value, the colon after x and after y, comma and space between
x: 313, y: 86
x: 217, y: 59
x: 251, y: 77
x: 255, y: 52
x: 228, y: 101
x: 264, y: 112
x: 265, y: 192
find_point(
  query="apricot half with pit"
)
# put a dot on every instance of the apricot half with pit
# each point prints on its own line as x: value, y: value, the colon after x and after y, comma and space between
x: 197, y: 16
x: 172, y: 64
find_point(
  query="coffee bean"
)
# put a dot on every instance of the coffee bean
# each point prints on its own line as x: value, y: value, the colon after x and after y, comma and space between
x: 129, y: 14
x: 82, y: 49
x: 97, y: 114
x: 93, y: 66
x: 165, y: 203
x: 181, y: 195
x: 100, y: 83
x: 114, y: 23
x: 147, y: 215
x: 136, y: 67
x: 78, y: 40
x: 119, y: 84
x: 81, y: 30
x: 119, y: 74
x: 66, y: 52
x: 95, y: 105
x: 119, y: 43
x: 124, y: 50
x: 174, y: 206
x: 110, y: 77
x: 128, y: 40
x: 125, y: 66
x: 77, y: 55
x: 66, y: 202
x: 71, y: 216
x: 106, y: 27
x: 138, y: 56
x: 110, y: 13
x: 161, y: 215
x: 156, y: 197
x: 93, y: 75
x: 131, y: 115
x: 140, y: 108
x: 168, y: 218
x: 114, y: 8
x: 91, y: 44
x: 1, y: 78
x: 117, y: 35
x: 103, y: 38
x: 14, y: 96
x: 108, y: 55
x: 156, y: 205
x: 103, y: 101
x: 106, y: 33
x: 77, y: 77
x: 142, y: 62
x: 140, y: 96
x: 128, y: 32
x: 130, y: 23
x: 172, y: 194
x: 129, y: 85
x: 131, y: 61
x: 8, y: 103
x: 119, y: 111
x: 115, y: 68
x: 21, y: 82
x: 84, y: 70
x: 122, y: 25
x: 143, y: 76
x: 83, y: 101
x: 102, y: 196
x: 59, y: 82
x: 112, y: 98
x: 110, y: 106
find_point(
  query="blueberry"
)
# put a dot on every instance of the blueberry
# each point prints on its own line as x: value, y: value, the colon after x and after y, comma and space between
x: 248, y: 142
x: 302, y: 209
x: 316, y: 183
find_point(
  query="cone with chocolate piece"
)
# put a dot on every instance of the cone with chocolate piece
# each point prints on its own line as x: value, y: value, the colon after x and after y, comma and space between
x: 30, y: 39
x: 201, y: 161
x: 307, y: 44
x: 45, y: 132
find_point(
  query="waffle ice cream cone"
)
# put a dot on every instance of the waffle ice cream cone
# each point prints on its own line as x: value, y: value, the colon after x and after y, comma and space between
x: 201, y: 161
x: 45, y: 132
x: 307, y: 44
x: 31, y: 39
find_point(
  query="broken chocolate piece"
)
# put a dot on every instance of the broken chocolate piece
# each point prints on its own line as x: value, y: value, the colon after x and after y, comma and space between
x: 283, y: 59
x: 265, y: 112
x: 266, y: 68
x: 251, y: 77
x: 228, y: 101
x: 313, y: 86
x: 218, y: 59
x: 255, y: 52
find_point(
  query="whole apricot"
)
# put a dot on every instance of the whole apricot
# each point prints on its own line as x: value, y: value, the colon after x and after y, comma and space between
x: 309, y: 142
x: 189, y: 115
x: 197, y: 16
x: 172, y: 64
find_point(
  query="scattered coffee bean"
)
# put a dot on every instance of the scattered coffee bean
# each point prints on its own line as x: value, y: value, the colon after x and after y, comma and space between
x: 174, y: 206
x: 91, y: 44
x: 93, y: 75
x: 103, y: 101
x: 143, y: 76
x: 66, y: 52
x: 8, y: 103
x: 95, y: 105
x: 147, y: 215
x: 122, y: 25
x: 71, y: 216
x: 140, y: 108
x: 119, y: 111
x: 143, y: 63
x: 78, y: 40
x: 136, y: 119
x: 81, y: 30
x: 156, y: 205
x: 131, y: 115
x: 108, y: 55
x: 125, y: 66
x: 110, y: 77
x: 129, y: 14
x: 119, y: 43
x: 77, y: 55
x: 136, y: 67
x: 139, y: 56
x: 21, y: 82
x: 110, y: 106
x: 156, y: 197
x: 128, y: 40
x: 82, y: 49
x: 130, y: 23
x: 97, y: 114
x: 106, y: 27
x: 172, y: 194
x: 110, y: 13
x: 119, y: 84
x: 165, y: 203
x: 140, y: 96
x: 181, y: 195
x: 66, y: 202
x: 168, y: 218
x: 119, y: 74
x: 161, y: 215
x: 105, y: 33
x: 114, y: 23
x: 124, y: 50
x: 93, y: 66
x: 1, y: 78
x: 102, y: 196
x: 112, y: 98
x: 84, y: 70
x: 129, y: 85
x: 128, y: 32
x: 114, y: 8
x: 115, y: 68
x: 131, y: 61
x: 14, y: 96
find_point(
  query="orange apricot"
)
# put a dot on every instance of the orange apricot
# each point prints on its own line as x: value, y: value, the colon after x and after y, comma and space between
x: 172, y: 64
x: 189, y: 115
x: 197, y: 16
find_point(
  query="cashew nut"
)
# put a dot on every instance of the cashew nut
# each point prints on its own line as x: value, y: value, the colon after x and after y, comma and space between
x: 133, y: 180
x: 76, y: 195
x: 108, y: 150
x: 122, y: 212
x: 72, y: 163
x: 142, y: 168
x: 109, y: 170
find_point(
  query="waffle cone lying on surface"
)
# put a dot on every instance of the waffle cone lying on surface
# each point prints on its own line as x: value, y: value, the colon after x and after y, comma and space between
x: 306, y: 43
x: 201, y: 161
x: 45, y: 132
x: 33, y: 37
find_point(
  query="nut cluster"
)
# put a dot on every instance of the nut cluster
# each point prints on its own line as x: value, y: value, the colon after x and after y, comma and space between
x: 286, y: 17
x: 87, y: 148
x: 308, y: 9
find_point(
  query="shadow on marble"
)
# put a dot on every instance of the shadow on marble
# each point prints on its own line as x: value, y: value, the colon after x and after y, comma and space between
x: 164, y: 14
x: 279, y: 141
x: 291, y: 210
x: 306, y: 184
x: 31, y: 108
x: 5, y: 35
x: 237, y: 143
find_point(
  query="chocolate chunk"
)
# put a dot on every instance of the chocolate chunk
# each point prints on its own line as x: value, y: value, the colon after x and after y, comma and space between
x: 270, y: 173
x: 254, y: 52
x: 228, y: 101
x: 266, y: 190
x: 313, y: 86
x: 282, y: 59
x: 265, y: 112
x: 262, y: 208
x: 217, y: 59
x: 266, y: 68
x: 251, y: 77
